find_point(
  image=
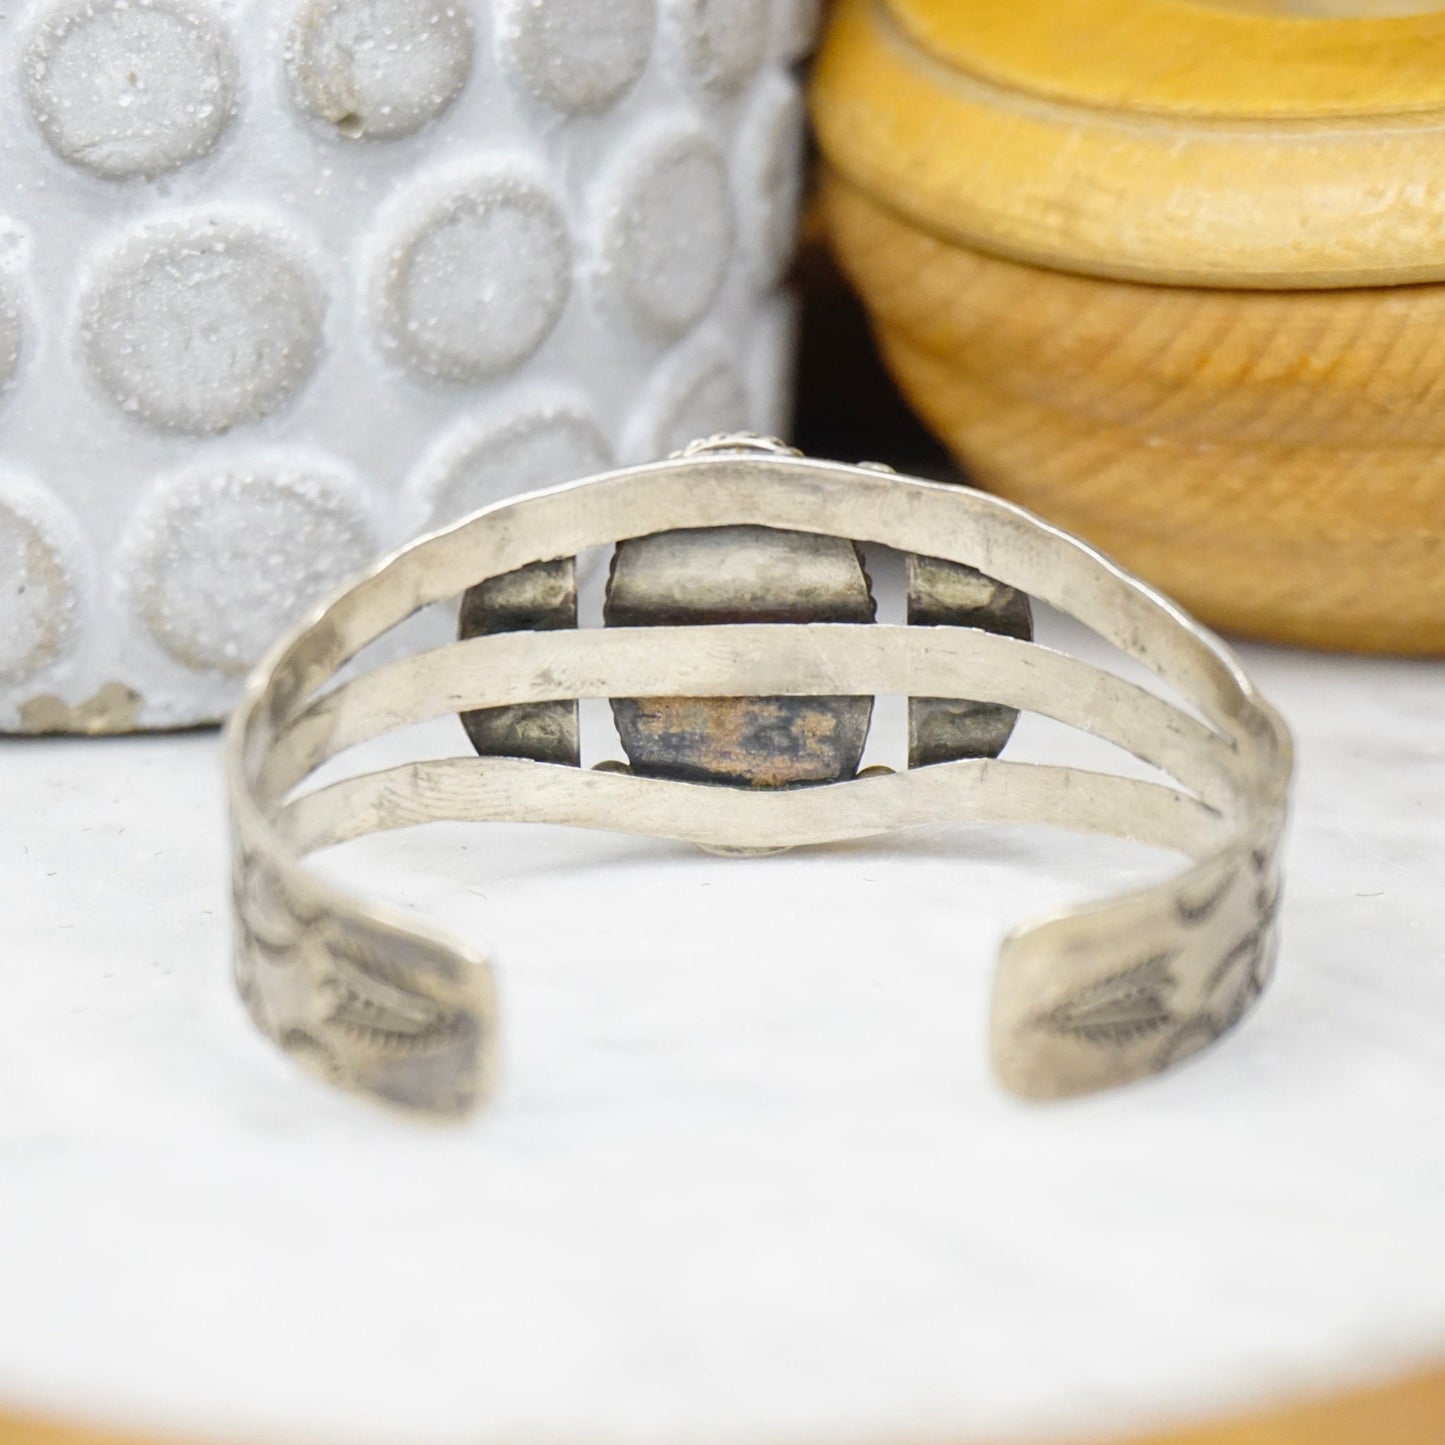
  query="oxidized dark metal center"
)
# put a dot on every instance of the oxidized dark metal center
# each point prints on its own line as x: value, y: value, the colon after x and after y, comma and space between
x: 743, y: 574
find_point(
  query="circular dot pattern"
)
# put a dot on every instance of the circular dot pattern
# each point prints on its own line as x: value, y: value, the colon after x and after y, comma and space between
x: 797, y: 25
x: 539, y: 448
x: 724, y: 41
x: 323, y: 253
x: 202, y: 324
x: 37, y: 584
x: 578, y: 54
x: 667, y: 248
x: 125, y: 88
x: 379, y: 68
x: 220, y: 563
x: 476, y: 285
x: 710, y: 399
x: 768, y: 363
x: 10, y: 330
x: 770, y: 165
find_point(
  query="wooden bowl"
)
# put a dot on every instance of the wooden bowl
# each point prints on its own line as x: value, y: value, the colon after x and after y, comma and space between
x: 1411, y: 1412
x: 1172, y: 273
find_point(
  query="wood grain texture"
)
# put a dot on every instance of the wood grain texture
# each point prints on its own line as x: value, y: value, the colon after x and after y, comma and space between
x: 1184, y: 57
x: 1339, y: 9
x: 1272, y: 459
x: 1155, y: 140
x: 1411, y: 1412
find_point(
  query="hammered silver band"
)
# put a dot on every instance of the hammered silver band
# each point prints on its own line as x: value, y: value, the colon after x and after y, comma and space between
x: 741, y: 658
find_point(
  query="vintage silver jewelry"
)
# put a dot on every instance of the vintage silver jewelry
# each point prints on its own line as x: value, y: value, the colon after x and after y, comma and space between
x: 741, y: 658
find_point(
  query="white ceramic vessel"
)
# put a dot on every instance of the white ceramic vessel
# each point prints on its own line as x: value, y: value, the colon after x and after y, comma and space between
x: 284, y: 281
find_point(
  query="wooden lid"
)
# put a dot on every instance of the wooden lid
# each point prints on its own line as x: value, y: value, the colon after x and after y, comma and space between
x: 1206, y: 142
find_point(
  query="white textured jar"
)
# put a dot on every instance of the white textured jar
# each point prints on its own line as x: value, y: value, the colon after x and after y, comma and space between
x: 285, y: 281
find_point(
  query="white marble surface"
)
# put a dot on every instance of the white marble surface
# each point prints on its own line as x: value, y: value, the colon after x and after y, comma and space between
x: 748, y: 1178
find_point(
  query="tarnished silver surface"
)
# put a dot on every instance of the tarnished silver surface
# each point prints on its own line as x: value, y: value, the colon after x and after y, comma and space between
x: 539, y: 598
x: 948, y: 594
x: 740, y: 574
x: 1090, y: 998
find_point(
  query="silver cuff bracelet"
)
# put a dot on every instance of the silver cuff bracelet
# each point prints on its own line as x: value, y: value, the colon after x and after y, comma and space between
x: 741, y: 659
